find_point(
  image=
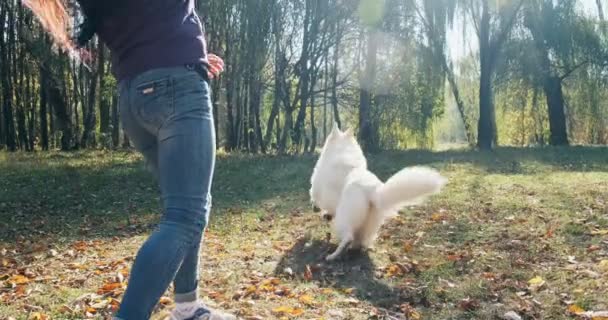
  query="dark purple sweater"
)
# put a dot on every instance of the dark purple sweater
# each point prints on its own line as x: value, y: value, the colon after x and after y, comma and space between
x: 149, y: 34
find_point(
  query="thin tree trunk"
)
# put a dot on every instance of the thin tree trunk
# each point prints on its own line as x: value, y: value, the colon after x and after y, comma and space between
x: 44, y: 128
x: 32, y: 111
x: 19, y: 67
x: 366, y: 130
x: 325, y: 88
x: 304, y: 75
x: 104, y: 104
x: 334, y: 85
x: 600, y: 9
x: 115, y: 122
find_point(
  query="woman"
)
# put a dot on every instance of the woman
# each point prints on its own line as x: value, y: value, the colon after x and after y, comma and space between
x: 159, y: 58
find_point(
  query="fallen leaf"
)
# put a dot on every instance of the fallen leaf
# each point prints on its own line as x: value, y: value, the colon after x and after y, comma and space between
x: 549, y: 233
x: 38, y: 316
x: 603, y: 266
x: 18, y: 280
x: 468, y: 304
x: 306, y: 299
x: 66, y: 309
x: 536, y: 283
x: 511, y: 315
x: 284, y: 310
x: 438, y: 217
x: 575, y: 309
x: 308, y: 273
x: 349, y: 290
x: 408, y: 246
x: 327, y: 291
x: 100, y: 305
x: 596, y: 315
x: 394, y: 271
x: 602, y: 232
x: 410, y: 312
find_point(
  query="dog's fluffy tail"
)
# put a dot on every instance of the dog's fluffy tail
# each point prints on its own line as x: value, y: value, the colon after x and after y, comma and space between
x: 409, y: 186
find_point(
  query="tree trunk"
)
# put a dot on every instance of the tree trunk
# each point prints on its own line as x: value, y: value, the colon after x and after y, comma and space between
x: 104, y: 104
x: 90, y: 117
x: 325, y: 88
x: 60, y: 109
x: 279, y: 69
x: 313, y: 127
x: 304, y: 76
x: 31, y: 126
x: 487, y: 119
x: 366, y: 130
x: 5, y: 74
x: 600, y: 9
x: 459, y: 103
x: 334, y: 85
x: 44, y: 128
x: 257, y: 101
x: 19, y: 72
x: 557, y: 117
x: 115, y: 122
x: 287, y: 128
x: 126, y: 142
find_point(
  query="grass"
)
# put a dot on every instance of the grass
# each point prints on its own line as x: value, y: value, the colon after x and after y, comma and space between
x: 71, y: 222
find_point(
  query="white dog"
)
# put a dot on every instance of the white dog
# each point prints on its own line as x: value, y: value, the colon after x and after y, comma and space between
x: 355, y: 199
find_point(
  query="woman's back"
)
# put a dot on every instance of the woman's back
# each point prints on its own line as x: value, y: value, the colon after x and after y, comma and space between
x: 148, y: 34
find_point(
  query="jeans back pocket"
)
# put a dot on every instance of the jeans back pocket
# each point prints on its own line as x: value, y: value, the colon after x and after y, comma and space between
x: 154, y: 101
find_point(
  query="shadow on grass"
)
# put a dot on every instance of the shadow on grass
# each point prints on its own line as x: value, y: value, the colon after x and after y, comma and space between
x: 503, y: 160
x: 355, y: 270
x: 66, y: 196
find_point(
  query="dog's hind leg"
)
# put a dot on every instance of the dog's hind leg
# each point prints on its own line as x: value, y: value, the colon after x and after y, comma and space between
x: 344, y: 244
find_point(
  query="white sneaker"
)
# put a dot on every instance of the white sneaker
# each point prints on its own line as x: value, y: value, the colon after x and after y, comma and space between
x: 203, y: 313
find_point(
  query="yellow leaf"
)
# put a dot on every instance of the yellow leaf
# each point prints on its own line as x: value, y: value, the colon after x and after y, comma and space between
x: 284, y: 310
x: 575, y: 309
x: 306, y: 299
x: 408, y: 246
x: 349, y: 290
x: 603, y: 265
x: 437, y: 217
x: 296, y: 312
x: 536, y: 281
x: 603, y: 232
x: 38, y: 316
x: 394, y: 271
x: 18, y: 279
x: 327, y: 291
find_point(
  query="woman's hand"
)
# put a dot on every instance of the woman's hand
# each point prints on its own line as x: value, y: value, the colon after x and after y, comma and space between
x: 216, y: 65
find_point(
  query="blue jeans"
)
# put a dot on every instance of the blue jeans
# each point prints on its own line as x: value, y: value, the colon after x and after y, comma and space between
x: 168, y: 117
